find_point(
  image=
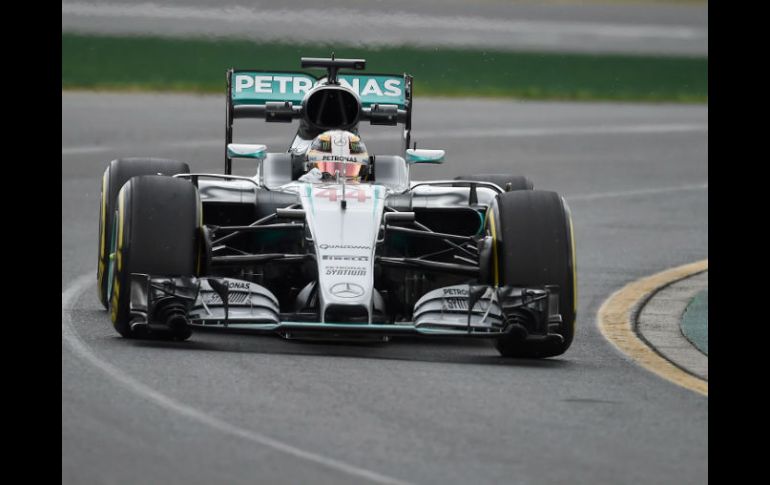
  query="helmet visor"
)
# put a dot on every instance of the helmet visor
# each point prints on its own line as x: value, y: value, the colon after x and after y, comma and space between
x: 349, y: 169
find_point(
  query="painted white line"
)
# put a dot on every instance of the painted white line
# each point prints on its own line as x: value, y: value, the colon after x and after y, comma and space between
x: 79, y: 150
x: 69, y: 335
x: 219, y: 142
x: 631, y: 193
x: 84, y: 149
x: 348, y: 19
x: 451, y: 133
x: 202, y: 143
x: 567, y: 130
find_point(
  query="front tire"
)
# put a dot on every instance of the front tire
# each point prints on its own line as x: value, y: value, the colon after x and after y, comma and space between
x: 157, y: 227
x: 117, y: 173
x: 534, y: 246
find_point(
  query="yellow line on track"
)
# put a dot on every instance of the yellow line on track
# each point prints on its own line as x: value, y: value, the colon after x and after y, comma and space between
x: 616, y: 322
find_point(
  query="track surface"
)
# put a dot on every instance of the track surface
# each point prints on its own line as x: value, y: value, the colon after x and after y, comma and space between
x: 633, y: 27
x: 417, y: 411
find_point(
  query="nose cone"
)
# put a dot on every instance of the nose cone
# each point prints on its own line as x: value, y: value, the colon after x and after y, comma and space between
x: 345, y: 241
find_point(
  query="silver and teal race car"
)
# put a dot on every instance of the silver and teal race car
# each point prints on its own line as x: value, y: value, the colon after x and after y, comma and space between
x: 327, y: 240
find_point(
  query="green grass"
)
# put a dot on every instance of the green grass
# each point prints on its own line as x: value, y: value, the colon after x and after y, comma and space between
x: 198, y: 65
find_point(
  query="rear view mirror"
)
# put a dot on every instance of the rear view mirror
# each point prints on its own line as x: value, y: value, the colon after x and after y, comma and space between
x: 244, y: 150
x: 414, y: 155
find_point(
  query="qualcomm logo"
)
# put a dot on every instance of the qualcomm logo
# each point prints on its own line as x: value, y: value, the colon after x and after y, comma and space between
x: 343, y: 246
x: 347, y: 290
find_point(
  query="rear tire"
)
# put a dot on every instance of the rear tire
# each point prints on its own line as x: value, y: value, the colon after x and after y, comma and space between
x: 535, y: 247
x: 157, y: 228
x: 118, y: 173
x: 517, y: 182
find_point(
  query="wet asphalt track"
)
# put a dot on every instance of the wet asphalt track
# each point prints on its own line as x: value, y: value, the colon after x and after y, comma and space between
x: 415, y: 411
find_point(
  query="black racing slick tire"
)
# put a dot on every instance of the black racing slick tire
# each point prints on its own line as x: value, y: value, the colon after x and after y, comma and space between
x: 517, y: 182
x: 156, y: 232
x: 117, y: 173
x: 534, y: 246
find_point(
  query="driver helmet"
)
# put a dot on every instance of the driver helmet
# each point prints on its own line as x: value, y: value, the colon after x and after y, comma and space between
x: 338, y: 150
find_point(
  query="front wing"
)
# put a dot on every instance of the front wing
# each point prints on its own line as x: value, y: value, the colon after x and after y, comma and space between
x: 454, y: 311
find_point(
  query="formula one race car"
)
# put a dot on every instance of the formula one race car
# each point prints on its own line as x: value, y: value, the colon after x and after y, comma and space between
x: 330, y: 241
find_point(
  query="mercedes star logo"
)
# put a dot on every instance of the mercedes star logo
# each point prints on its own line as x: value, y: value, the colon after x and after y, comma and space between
x: 347, y: 290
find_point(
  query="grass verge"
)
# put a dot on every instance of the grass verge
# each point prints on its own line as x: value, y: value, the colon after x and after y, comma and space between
x: 198, y: 65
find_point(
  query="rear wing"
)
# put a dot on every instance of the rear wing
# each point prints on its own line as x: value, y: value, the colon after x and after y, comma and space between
x: 276, y: 96
x: 257, y: 88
